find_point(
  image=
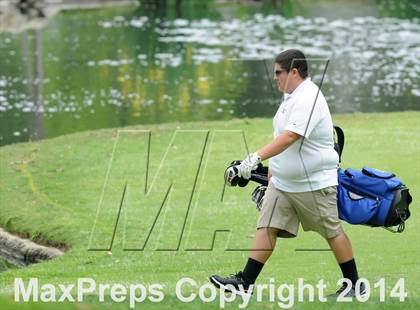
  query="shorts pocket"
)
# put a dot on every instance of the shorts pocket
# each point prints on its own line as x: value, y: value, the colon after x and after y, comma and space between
x: 330, y: 190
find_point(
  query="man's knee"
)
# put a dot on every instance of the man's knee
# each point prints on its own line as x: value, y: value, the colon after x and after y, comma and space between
x: 268, y: 232
x: 340, y: 235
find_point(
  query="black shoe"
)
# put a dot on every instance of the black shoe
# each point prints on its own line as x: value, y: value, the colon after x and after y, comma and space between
x: 235, y: 284
x: 350, y: 293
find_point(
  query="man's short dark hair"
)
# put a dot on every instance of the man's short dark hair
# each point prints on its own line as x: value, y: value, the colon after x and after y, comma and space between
x: 293, y: 58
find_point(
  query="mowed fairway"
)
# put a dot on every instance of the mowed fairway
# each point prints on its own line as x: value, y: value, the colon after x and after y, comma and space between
x: 69, y: 190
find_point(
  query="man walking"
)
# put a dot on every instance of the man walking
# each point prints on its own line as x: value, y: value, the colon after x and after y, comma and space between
x: 303, y: 176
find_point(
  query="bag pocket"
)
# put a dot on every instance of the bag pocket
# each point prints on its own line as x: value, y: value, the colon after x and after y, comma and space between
x: 355, y: 209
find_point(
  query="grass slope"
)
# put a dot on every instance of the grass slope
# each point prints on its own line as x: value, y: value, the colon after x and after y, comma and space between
x: 63, y: 189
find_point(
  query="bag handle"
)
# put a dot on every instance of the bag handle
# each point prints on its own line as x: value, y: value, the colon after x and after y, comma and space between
x: 375, y: 173
x: 400, y: 228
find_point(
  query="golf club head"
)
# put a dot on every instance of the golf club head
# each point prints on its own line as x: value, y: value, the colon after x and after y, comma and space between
x: 258, y: 196
x: 232, y: 175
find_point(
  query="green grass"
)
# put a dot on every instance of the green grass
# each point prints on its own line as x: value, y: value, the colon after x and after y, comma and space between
x: 51, y: 190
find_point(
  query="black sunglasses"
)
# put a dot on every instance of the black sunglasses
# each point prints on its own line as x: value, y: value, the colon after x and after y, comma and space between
x: 278, y: 72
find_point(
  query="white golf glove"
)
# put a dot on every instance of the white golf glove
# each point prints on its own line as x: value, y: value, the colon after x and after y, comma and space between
x: 248, y: 164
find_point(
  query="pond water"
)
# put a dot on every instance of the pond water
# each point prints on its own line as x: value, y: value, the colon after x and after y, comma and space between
x: 90, y: 69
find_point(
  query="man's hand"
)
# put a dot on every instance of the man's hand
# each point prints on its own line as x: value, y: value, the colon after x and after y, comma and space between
x: 248, y: 164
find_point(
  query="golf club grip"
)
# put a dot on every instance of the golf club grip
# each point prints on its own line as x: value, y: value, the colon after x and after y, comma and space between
x: 259, y: 178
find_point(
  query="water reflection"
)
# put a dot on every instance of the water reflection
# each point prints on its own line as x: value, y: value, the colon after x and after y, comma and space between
x: 123, y: 66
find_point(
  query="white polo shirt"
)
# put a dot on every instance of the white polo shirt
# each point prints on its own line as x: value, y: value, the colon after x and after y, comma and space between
x: 314, y: 166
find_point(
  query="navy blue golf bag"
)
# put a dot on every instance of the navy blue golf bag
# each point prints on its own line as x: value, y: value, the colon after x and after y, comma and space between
x: 372, y: 197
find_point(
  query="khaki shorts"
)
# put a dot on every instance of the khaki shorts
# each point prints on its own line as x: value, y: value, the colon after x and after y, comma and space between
x: 316, y: 211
